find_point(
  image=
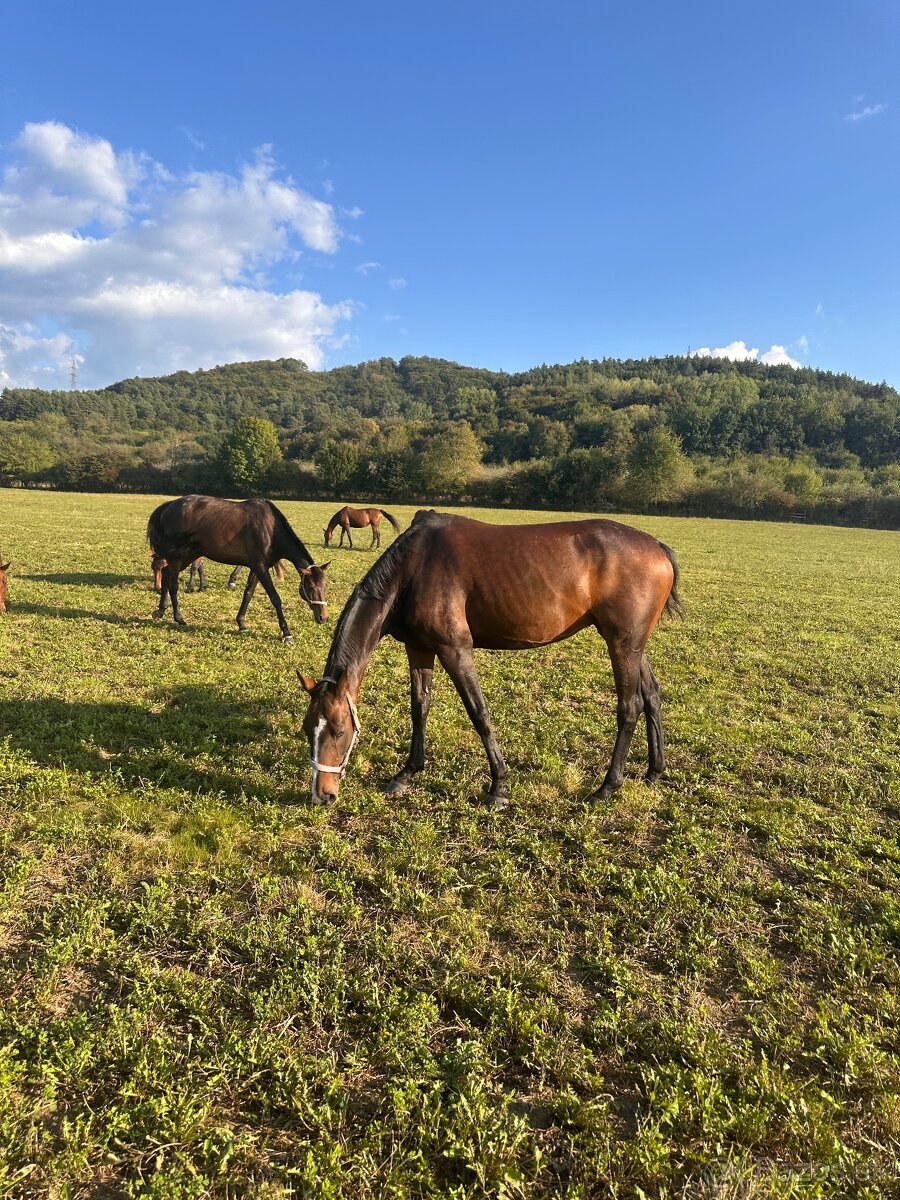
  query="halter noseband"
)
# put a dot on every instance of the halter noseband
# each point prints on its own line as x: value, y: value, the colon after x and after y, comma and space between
x: 339, y: 771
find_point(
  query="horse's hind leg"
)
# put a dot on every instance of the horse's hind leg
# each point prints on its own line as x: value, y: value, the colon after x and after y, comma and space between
x: 266, y: 580
x: 170, y: 584
x: 626, y: 665
x: 459, y: 664
x: 250, y: 588
x: 233, y: 578
x: 656, y: 748
x: 201, y: 571
x: 421, y: 676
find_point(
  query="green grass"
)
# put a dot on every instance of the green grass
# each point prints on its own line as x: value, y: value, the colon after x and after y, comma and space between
x: 211, y: 988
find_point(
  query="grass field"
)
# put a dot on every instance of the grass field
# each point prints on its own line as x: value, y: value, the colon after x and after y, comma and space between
x: 211, y: 988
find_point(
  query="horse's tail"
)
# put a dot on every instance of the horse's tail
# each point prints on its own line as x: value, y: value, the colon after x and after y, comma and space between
x: 393, y: 520
x: 155, y: 529
x: 673, y: 605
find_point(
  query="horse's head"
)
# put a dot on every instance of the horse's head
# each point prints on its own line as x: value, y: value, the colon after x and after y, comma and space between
x: 4, y: 567
x: 313, y: 585
x: 332, y: 729
x: 329, y: 534
x: 157, y: 566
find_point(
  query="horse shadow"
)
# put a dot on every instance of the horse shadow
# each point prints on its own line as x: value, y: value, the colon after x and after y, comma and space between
x: 73, y: 614
x: 87, y: 578
x: 191, y: 739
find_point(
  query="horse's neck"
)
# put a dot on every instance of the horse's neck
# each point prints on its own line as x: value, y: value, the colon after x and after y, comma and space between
x: 292, y: 548
x: 359, y: 632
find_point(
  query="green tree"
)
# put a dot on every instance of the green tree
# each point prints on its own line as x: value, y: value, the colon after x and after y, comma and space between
x: 658, y: 470
x: 450, y: 460
x: 23, y: 456
x: 249, y: 452
x: 337, y: 462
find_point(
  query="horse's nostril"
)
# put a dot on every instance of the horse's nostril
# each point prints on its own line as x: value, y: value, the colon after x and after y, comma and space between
x: 328, y: 797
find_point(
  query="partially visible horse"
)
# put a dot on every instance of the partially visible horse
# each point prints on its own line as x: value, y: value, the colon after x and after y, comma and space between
x: 277, y: 571
x: 358, y: 518
x: 4, y: 567
x: 450, y: 584
x: 246, y: 533
x: 197, y: 574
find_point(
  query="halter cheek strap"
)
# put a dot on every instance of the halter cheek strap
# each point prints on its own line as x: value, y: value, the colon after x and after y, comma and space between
x: 339, y: 770
x: 308, y: 599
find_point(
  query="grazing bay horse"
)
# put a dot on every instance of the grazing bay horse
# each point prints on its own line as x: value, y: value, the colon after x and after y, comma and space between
x: 277, y: 571
x: 358, y: 518
x: 197, y: 574
x: 4, y: 567
x: 451, y: 584
x: 246, y: 533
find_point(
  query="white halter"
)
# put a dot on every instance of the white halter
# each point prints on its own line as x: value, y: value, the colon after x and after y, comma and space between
x: 317, y: 766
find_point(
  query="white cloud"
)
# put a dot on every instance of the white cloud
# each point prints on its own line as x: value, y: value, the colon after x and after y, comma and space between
x: 397, y: 282
x: 741, y: 352
x: 367, y: 267
x: 145, y: 272
x: 777, y: 356
x: 862, y: 114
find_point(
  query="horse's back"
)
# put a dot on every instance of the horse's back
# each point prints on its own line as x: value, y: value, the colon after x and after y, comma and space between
x: 515, y: 586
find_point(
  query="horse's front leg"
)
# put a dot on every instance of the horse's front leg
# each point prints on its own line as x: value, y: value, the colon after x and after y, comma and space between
x: 421, y: 676
x: 459, y: 664
x: 266, y: 580
x: 233, y: 578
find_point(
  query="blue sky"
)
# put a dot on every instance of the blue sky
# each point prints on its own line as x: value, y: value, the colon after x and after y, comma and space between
x: 501, y: 184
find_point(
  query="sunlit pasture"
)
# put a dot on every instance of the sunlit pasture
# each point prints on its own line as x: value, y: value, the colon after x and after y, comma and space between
x: 210, y: 987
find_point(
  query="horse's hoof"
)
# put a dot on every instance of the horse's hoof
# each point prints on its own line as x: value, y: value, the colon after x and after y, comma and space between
x: 157, y: 615
x: 179, y: 621
x: 398, y: 786
x: 652, y: 776
x: 497, y: 803
x: 287, y: 639
x: 601, y: 795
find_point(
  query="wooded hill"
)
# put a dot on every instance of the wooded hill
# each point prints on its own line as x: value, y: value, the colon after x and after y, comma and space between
x: 689, y: 432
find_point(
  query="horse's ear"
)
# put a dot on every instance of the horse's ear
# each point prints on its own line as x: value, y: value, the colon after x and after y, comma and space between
x: 5, y: 566
x: 304, y: 570
x: 308, y: 685
x: 325, y: 566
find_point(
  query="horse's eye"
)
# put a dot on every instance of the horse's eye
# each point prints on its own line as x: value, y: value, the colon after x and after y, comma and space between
x: 340, y: 730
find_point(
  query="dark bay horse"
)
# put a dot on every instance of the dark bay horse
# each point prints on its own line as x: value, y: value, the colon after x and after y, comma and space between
x: 358, y: 518
x: 246, y: 533
x: 451, y: 584
x: 4, y: 567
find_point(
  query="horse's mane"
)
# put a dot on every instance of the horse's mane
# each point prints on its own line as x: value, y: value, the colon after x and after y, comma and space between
x: 286, y: 530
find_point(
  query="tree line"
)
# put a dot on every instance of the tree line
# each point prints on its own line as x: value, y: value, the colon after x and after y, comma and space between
x: 678, y: 433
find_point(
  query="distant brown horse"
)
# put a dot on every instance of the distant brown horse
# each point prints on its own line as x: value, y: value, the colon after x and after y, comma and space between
x: 358, y: 518
x: 4, y: 567
x: 247, y: 533
x: 450, y: 584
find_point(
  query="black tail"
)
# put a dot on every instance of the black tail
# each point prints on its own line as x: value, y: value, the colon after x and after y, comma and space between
x: 155, y: 530
x: 673, y: 605
x: 392, y: 520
